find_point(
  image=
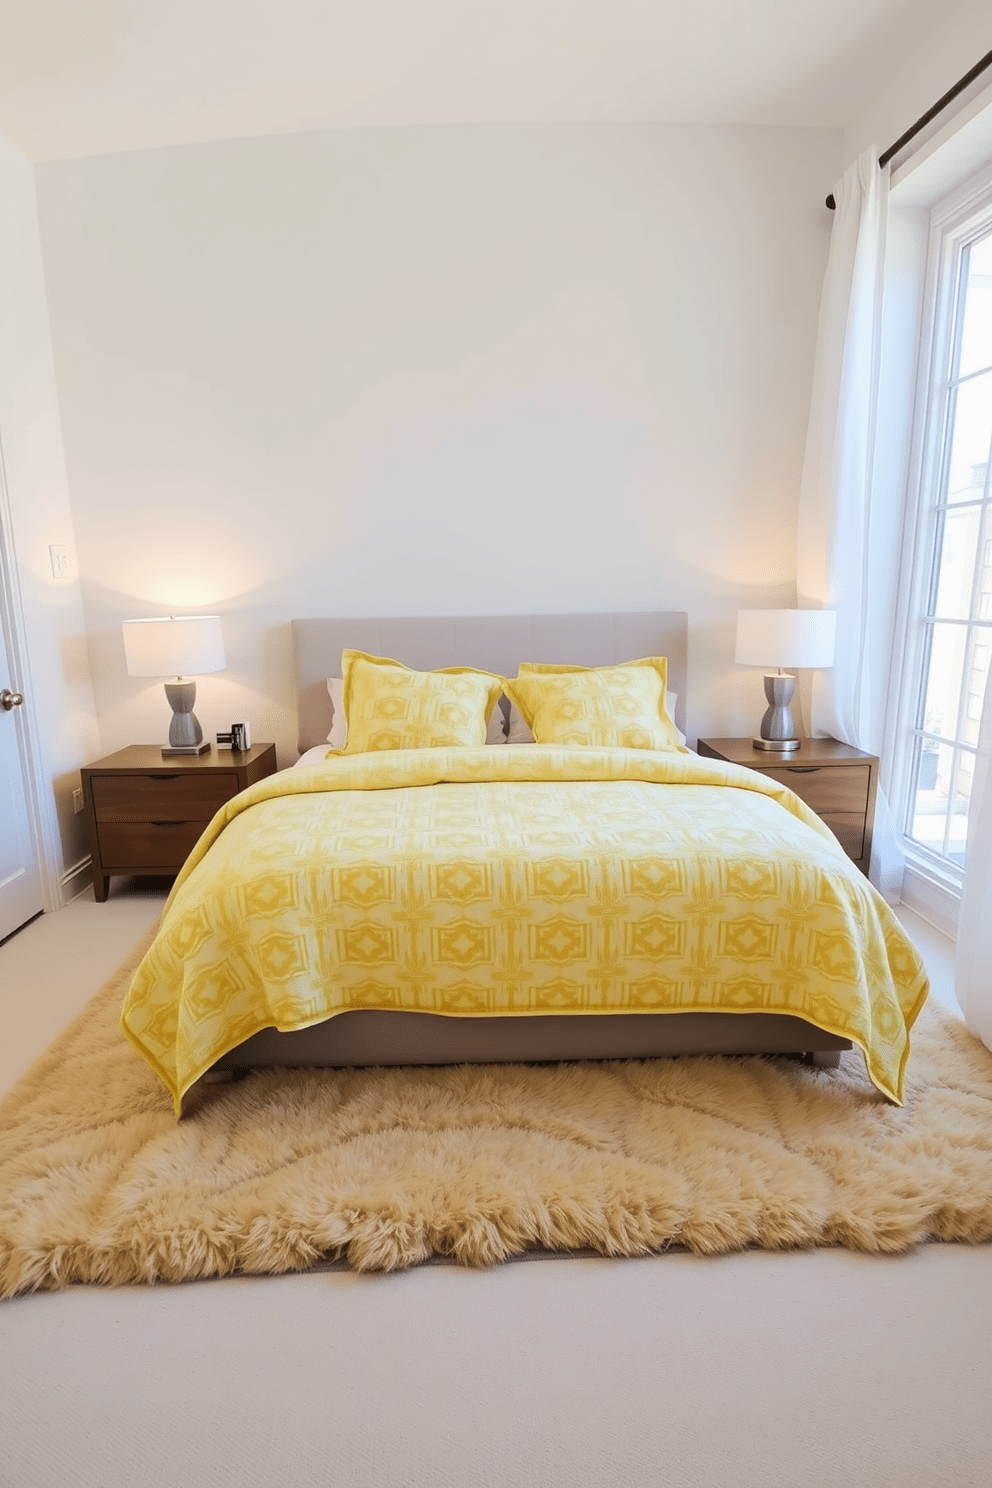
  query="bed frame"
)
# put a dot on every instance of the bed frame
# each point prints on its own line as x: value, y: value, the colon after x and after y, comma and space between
x: 499, y: 644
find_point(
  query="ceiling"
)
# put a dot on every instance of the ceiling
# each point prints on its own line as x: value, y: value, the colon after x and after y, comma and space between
x: 86, y: 77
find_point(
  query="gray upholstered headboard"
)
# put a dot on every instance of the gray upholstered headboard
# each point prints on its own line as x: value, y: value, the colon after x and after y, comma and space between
x: 496, y: 643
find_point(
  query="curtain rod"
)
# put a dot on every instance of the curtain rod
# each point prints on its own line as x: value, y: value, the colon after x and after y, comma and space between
x: 931, y: 113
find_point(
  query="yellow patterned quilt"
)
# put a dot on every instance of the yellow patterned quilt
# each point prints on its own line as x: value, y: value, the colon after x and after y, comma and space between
x: 520, y: 880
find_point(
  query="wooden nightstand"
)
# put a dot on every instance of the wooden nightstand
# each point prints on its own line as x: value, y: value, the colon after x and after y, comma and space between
x: 145, y: 813
x: 838, y: 782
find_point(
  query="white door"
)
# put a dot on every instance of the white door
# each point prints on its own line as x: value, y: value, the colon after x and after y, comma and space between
x: 20, y: 876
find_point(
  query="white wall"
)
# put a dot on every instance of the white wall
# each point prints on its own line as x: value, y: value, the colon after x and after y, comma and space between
x: 61, y: 696
x: 464, y: 370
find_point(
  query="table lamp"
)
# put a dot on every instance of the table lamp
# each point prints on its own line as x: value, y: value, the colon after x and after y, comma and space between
x: 783, y: 638
x: 170, y: 646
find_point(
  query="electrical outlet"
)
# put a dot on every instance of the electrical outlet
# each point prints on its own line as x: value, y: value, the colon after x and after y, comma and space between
x: 60, y: 560
x: 77, y: 801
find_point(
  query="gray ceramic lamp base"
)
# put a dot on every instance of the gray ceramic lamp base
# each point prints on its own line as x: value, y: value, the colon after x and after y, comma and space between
x: 185, y: 733
x: 777, y: 731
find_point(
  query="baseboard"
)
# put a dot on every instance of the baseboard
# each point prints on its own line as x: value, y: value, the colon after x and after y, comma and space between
x: 77, y: 879
x: 937, y: 905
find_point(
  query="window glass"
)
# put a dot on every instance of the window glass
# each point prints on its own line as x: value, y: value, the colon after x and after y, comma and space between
x: 970, y: 416
x: 943, y: 693
x: 956, y: 569
x: 976, y: 332
x: 939, y: 819
x: 976, y: 674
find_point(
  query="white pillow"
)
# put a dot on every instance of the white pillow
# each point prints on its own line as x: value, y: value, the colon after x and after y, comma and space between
x: 338, y: 737
x: 519, y: 730
x: 496, y: 727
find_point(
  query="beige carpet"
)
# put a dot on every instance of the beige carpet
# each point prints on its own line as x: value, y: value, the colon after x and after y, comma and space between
x: 386, y: 1168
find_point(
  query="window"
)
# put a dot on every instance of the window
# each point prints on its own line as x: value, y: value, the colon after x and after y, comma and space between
x: 952, y: 612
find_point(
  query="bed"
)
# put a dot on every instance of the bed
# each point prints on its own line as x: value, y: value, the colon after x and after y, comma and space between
x: 802, y: 958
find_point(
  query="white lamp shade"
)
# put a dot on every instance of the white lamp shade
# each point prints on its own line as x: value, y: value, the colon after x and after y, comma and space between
x: 174, y: 646
x: 786, y: 638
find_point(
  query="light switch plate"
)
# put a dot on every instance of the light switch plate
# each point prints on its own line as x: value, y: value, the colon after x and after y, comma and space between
x: 60, y: 560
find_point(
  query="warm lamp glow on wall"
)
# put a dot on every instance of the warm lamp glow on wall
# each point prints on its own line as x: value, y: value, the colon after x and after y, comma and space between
x: 177, y: 646
x: 783, y: 638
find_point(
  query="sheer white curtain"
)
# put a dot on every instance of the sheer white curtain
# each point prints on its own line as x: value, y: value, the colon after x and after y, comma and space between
x: 842, y: 518
x: 973, y: 972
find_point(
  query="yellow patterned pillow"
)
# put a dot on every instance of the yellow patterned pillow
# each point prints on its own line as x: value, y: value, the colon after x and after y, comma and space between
x: 390, y: 706
x: 620, y: 706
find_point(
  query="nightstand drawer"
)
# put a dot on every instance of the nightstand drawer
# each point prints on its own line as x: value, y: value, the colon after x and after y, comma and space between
x: 148, y: 844
x: 838, y: 794
x: 150, y: 798
x: 849, y: 829
x: 834, y: 788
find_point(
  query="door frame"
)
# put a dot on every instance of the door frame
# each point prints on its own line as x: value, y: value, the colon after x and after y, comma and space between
x: 42, y: 817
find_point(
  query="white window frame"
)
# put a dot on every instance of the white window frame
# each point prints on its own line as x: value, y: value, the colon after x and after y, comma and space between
x: 955, y: 222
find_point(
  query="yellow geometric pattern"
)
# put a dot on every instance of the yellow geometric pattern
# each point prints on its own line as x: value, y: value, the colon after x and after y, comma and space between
x: 463, y: 943
x: 482, y: 882
x: 562, y: 941
x: 607, y: 706
x: 747, y: 938
x: 390, y: 706
x: 461, y: 881
x: 367, y: 883
x: 557, y: 878
x: 655, y: 937
x: 369, y: 944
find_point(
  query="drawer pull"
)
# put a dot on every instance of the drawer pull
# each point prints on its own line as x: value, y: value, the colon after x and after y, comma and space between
x: 803, y: 769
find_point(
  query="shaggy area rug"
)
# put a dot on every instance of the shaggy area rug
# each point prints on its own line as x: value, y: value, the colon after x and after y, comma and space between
x: 389, y: 1167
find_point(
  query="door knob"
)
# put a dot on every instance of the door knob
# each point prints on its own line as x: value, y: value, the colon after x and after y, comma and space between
x: 10, y: 699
